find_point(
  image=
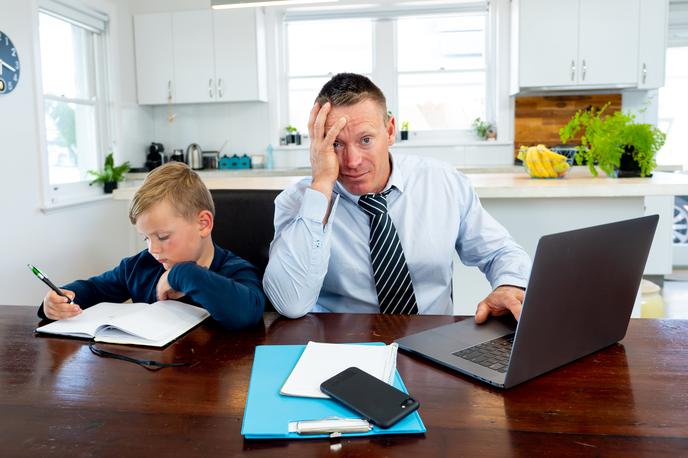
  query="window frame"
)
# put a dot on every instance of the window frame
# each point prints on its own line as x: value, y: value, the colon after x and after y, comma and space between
x: 385, y: 71
x: 55, y: 196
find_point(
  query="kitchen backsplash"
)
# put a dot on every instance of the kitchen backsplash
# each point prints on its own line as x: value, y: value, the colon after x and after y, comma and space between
x: 539, y: 118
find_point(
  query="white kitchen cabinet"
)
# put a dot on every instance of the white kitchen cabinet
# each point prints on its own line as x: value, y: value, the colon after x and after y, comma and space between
x: 194, y: 69
x: 654, y: 25
x: 547, y: 42
x: 201, y: 56
x: 240, y: 62
x: 575, y: 44
x: 608, y: 42
x: 154, y: 58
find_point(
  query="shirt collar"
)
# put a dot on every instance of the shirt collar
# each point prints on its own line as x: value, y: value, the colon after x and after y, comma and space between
x: 396, y: 180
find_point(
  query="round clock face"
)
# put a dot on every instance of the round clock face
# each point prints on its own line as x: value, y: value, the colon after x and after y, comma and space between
x: 9, y: 65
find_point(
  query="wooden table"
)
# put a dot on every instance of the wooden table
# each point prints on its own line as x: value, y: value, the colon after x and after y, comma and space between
x: 58, y: 399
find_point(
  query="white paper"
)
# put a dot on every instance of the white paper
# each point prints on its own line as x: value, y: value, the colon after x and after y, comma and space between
x: 321, y: 361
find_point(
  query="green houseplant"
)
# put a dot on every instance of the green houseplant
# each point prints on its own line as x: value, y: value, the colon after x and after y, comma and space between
x: 404, y: 131
x: 293, y: 135
x: 618, y: 144
x: 110, y: 175
x: 482, y: 128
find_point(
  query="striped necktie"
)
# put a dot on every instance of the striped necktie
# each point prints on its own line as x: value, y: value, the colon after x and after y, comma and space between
x: 392, y: 280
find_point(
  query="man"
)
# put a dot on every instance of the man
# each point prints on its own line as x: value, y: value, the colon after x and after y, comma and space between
x: 371, y: 232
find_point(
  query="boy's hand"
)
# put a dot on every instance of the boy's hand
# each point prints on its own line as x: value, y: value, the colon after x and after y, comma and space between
x: 165, y: 291
x: 56, y: 307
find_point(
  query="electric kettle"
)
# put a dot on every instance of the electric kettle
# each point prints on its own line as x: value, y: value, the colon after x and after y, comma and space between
x: 194, y: 156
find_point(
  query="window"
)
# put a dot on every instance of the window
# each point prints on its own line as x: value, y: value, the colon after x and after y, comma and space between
x: 73, y: 80
x: 441, y: 70
x: 436, y: 77
x: 673, y: 112
x: 308, y: 73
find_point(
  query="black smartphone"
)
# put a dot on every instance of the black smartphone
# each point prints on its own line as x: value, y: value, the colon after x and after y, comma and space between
x: 377, y: 401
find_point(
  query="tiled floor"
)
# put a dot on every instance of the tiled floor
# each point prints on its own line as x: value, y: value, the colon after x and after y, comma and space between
x: 670, y: 302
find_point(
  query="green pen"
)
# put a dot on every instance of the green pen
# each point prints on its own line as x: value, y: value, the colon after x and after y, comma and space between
x: 47, y: 281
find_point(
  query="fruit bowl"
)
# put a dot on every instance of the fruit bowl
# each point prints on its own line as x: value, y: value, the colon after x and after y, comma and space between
x: 541, y: 162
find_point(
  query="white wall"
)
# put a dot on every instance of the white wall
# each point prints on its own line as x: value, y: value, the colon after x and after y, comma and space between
x: 70, y: 243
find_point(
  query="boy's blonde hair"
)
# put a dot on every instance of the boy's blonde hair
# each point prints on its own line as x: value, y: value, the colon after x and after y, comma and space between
x: 176, y: 183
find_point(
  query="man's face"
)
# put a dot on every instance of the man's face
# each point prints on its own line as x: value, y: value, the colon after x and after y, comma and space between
x: 171, y: 238
x: 362, y: 146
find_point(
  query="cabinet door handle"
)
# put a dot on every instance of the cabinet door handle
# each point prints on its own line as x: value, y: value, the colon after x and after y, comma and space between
x: 169, y: 89
x: 219, y: 88
x: 210, y: 88
x: 644, y: 72
x: 585, y: 69
x: 573, y: 70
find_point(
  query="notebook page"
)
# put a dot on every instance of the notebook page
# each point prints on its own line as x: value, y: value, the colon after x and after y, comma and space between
x: 87, y: 322
x: 156, y: 323
x: 320, y: 361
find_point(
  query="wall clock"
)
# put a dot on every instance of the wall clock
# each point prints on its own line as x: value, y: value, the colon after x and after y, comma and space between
x: 9, y: 65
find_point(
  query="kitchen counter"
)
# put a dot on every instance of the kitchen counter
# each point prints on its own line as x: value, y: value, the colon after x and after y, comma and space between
x: 508, y: 182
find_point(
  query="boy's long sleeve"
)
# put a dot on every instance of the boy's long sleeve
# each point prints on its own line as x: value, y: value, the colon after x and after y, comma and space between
x: 233, y: 296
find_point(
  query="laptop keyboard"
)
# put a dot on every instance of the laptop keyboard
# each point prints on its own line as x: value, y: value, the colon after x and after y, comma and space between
x: 493, y: 354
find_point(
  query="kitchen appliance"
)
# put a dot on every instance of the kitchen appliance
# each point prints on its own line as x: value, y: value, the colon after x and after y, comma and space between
x: 194, y: 156
x: 177, y: 155
x: 211, y: 159
x: 155, y: 156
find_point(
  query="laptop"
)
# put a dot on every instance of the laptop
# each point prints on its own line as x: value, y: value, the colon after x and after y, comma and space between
x: 579, y: 299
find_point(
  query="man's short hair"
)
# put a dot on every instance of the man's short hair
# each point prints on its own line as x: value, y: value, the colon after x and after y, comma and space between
x: 177, y: 184
x: 346, y: 89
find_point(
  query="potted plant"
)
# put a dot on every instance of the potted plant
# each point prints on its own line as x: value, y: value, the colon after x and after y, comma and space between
x: 404, y: 132
x: 110, y: 175
x: 483, y: 129
x: 616, y: 143
x: 293, y: 135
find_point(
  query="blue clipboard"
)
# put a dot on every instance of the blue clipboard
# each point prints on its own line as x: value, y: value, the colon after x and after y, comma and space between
x: 268, y: 413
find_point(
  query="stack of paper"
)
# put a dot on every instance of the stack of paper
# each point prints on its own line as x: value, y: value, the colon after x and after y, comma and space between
x: 321, y: 361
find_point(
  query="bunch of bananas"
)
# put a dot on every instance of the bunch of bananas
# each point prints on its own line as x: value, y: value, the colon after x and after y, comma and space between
x: 540, y: 162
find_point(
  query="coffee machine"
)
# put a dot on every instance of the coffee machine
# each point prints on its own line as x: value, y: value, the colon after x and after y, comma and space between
x: 155, y: 156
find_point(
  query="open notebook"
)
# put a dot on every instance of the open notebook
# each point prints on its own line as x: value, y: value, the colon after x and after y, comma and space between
x: 153, y: 325
x: 320, y: 361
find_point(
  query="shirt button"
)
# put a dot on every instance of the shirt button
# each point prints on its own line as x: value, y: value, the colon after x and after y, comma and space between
x: 316, y: 244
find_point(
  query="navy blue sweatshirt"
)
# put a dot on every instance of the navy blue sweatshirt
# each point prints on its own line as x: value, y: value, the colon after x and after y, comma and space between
x: 230, y: 290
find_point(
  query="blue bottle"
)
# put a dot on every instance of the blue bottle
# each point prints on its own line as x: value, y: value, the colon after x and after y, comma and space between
x: 269, y: 160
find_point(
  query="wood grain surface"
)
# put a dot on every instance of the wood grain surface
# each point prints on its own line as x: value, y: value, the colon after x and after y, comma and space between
x: 539, y: 118
x: 58, y: 399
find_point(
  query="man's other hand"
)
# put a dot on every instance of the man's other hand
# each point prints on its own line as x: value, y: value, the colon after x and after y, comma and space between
x: 502, y: 300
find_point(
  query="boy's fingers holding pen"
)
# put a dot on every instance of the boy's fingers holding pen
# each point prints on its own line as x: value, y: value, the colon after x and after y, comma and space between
x: 60, y: 311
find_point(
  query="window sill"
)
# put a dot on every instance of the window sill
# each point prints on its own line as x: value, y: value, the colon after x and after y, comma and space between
x: 417, y: 144
x: 73, y: 202
x: 445, y: 143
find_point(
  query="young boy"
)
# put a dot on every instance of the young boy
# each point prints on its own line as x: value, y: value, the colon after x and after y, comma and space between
x: 174, y: 212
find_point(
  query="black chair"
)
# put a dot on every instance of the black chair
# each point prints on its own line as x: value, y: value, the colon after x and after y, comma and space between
x: 244, y: 223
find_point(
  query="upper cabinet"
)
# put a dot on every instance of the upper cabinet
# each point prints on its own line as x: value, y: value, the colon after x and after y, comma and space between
x: 200, y: 56
x: 240, y: 62
x: 154, y: 58
x: 586, y: 44
x: 654, y: 28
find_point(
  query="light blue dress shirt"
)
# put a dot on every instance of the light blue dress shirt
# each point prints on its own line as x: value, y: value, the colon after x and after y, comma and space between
x: 326, y: 268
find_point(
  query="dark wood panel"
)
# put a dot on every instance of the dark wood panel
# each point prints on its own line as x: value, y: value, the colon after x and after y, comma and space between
x: 539, y: 118
x: 57, y: 399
